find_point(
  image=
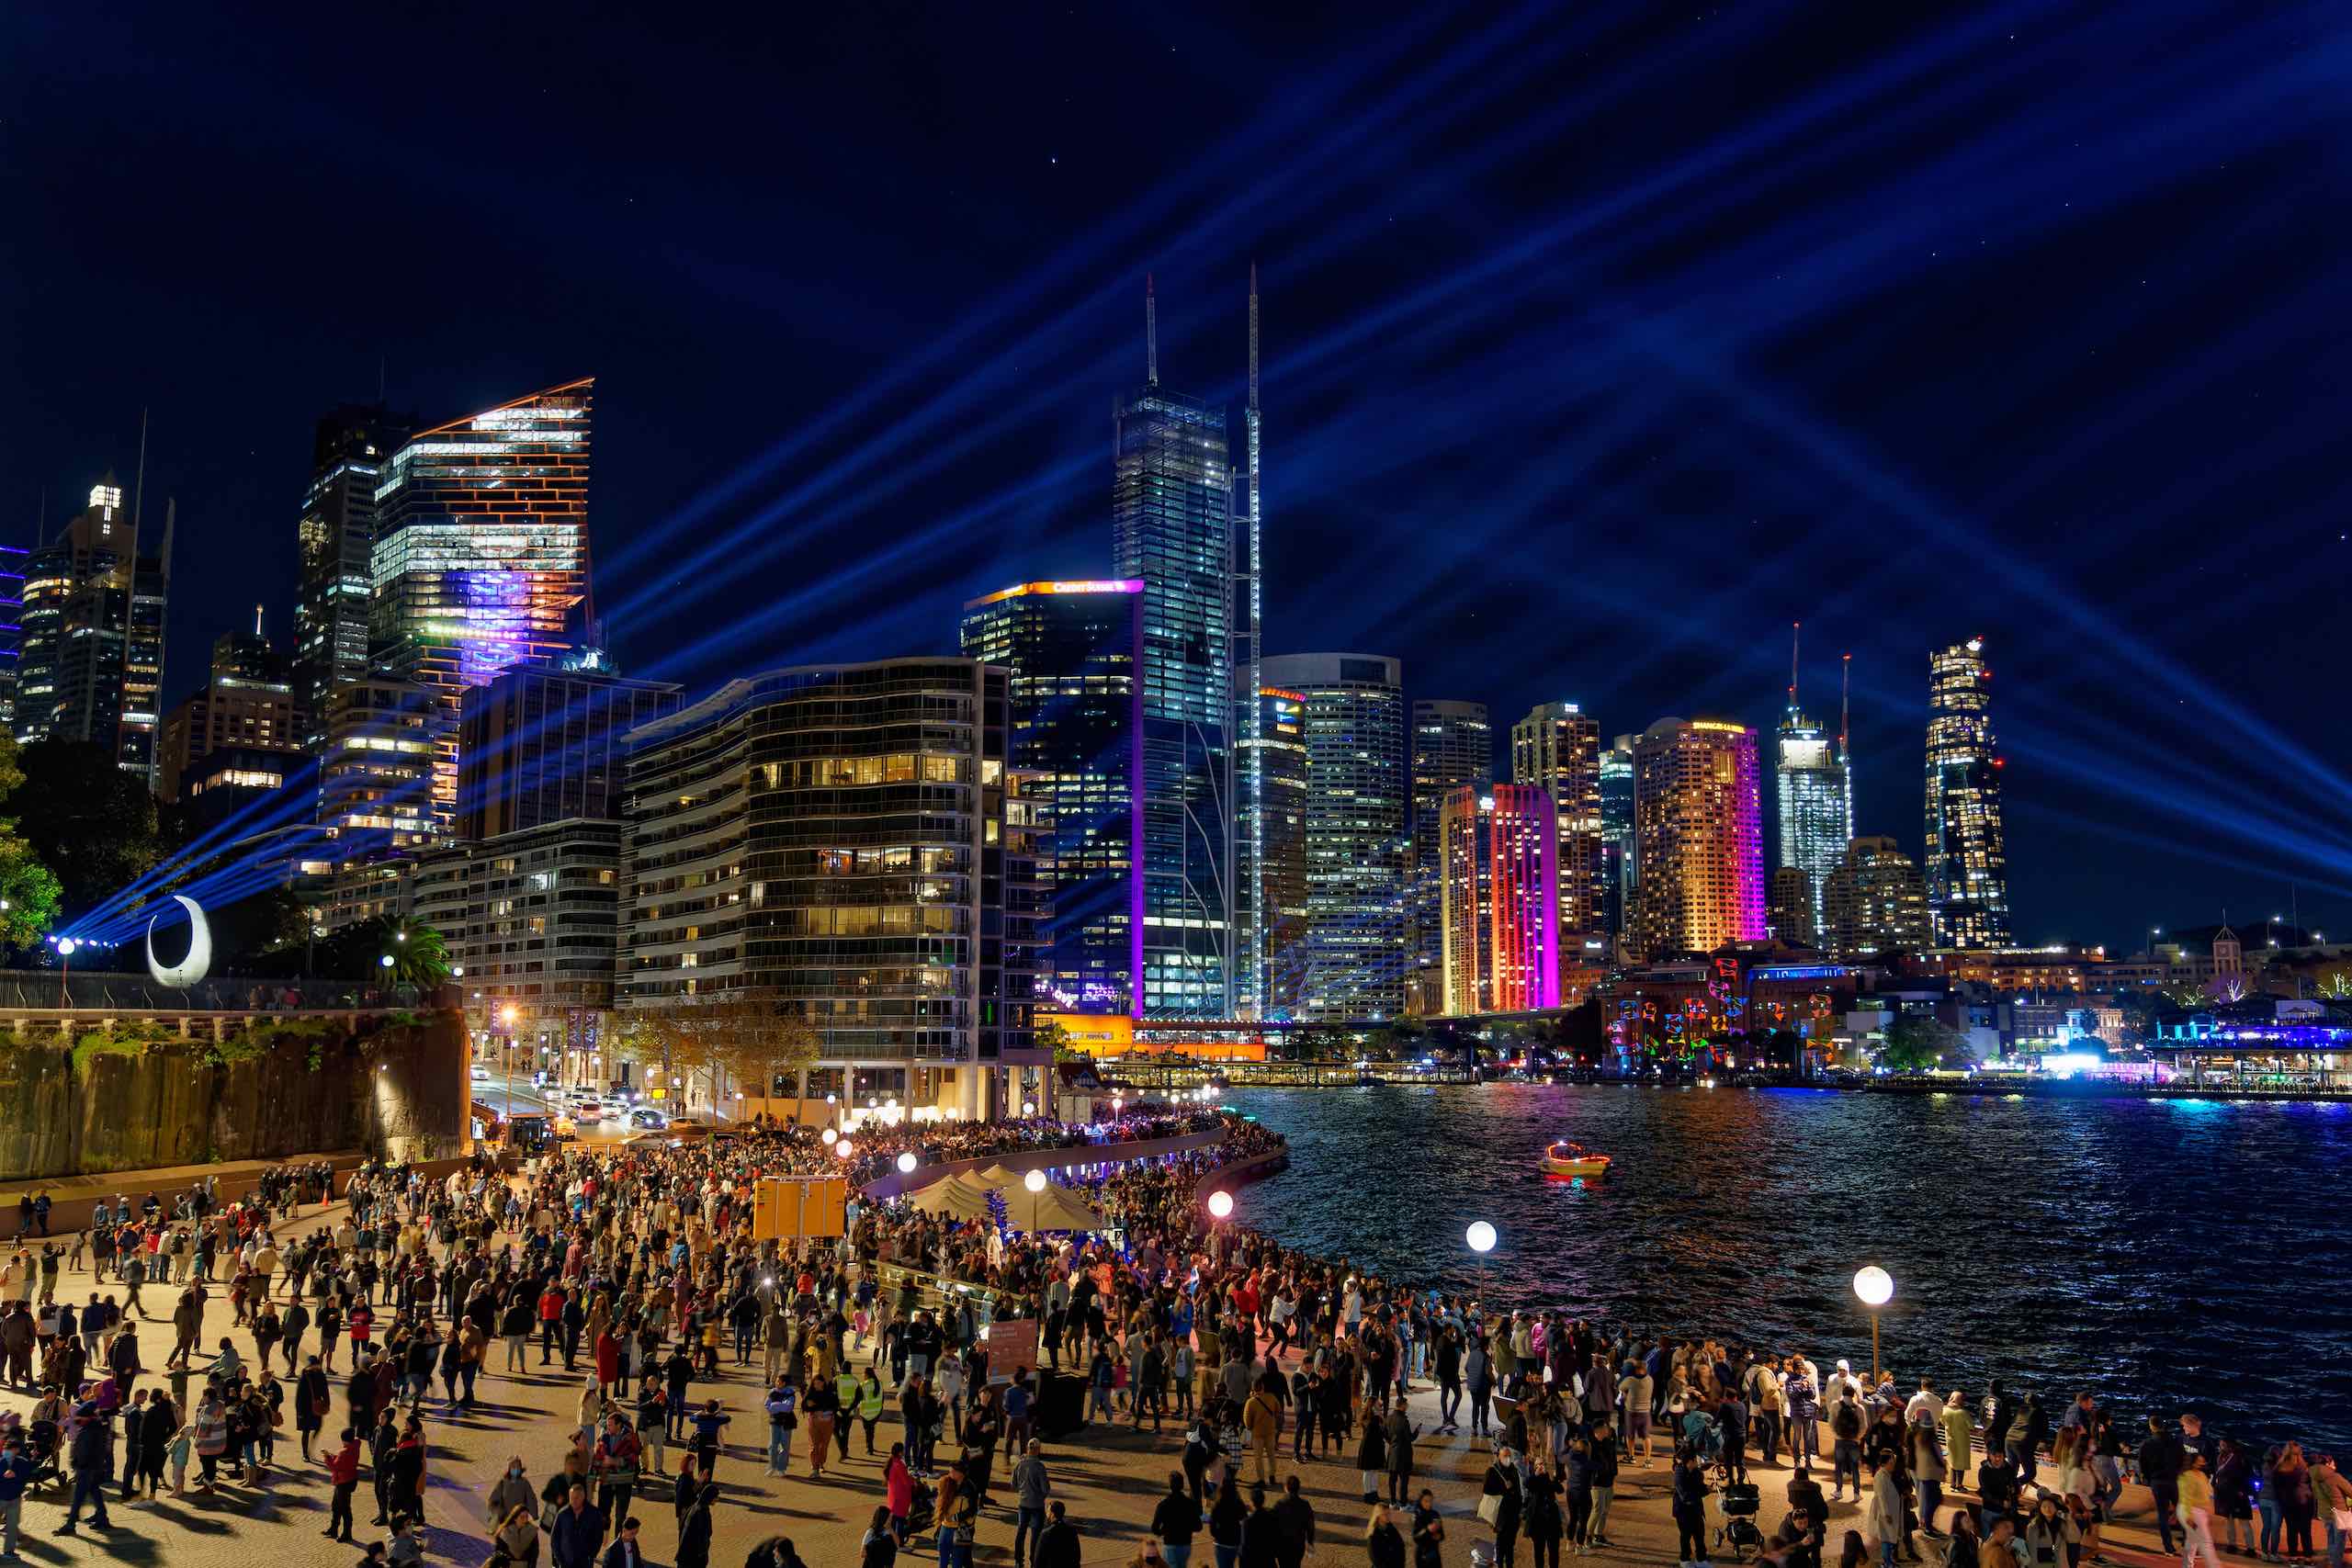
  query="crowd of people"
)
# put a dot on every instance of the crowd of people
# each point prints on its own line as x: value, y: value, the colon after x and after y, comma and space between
x: 632, y: 1270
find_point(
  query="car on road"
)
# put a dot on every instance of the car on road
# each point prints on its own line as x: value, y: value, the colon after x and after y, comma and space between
x: 480, y: 1073
x: 647, y: 1118
x: 586, y: 1110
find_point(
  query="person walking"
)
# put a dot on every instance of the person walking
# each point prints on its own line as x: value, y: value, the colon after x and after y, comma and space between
x: 2195, y: 1510
x: 1032, y: 1486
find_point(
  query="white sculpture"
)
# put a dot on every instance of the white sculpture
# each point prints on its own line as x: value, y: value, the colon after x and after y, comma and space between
x: 191, y: 969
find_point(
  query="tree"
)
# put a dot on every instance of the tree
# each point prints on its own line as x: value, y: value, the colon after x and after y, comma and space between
x: 743, y: 1035
x: 1051, y: 1036
x: 92, y: 823
x: 1917, y: 1042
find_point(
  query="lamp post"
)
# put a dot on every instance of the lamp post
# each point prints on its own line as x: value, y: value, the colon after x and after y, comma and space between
x: 1034, y: 1183
x: 1875, y: 1286
x: 1481, y: 1238
x: 506, y: 1016
x: 65, y: 946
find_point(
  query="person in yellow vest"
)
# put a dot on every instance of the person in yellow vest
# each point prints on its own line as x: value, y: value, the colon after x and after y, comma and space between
x: 869, y: 1406
x: 846, y: 1392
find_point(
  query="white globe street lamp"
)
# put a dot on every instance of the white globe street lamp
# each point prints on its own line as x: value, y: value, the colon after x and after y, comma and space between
x: 1875, y: 1286
x: 907, y: 1163
x: 1221, y: 1205
x: 1035, y: 1182
x: 1481, y: 1237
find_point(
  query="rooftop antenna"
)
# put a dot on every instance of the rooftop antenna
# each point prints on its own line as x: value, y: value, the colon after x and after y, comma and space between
x: 40, y: 529
x: 1795, y: 629
x: 1150, y: 334
x: 1253, y: 335
x: 138, y: 492
x: 256, y: 620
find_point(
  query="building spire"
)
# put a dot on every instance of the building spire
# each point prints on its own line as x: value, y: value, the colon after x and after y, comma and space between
x: 139, y: 488
x: 1150, y: 334
x: 1795, y: 628
x: 1844, y: 702
x: 1253, y: 335
x: 257, y: 620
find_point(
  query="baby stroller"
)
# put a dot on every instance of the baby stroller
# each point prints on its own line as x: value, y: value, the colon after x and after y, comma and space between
x: 1739, y: 1501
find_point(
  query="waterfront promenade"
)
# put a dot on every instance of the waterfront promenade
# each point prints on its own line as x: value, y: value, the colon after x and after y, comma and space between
x: 1109, y: 1479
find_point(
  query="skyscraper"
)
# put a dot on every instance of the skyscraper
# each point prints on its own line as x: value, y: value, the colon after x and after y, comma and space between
x: 248, y: 703
x: 1281, y: 839
x: 481, y: 554
x: 1556, y: 749
x: 1499, y: 899
x: 91, y: 665
x: 1789, y: 911
x: 1249, y: 900
x: 1073, y: 653
x: 12, y: 630
x: 1353, y: 961
x: 336, y: 534
x: 1453, y: 748
x: 1698, y: 837
x: 1816, y: 815
x: 1966, y: 865
x: 1617, y: 857
x: 1172, y: 528
x: 1876, y: 902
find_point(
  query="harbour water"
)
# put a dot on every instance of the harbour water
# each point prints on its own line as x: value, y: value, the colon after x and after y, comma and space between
x: 2167, y: 1257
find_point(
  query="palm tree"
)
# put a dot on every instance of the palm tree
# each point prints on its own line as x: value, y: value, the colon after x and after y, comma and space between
x: 419, y: 955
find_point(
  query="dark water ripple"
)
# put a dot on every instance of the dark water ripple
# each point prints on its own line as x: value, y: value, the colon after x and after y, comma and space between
x: 2166, y: 1256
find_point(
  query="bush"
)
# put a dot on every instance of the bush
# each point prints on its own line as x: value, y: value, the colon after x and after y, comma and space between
x: 91, y: 1046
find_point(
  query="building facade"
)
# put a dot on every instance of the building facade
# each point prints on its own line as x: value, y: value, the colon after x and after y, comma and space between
x: 375, y: 793
x: 1172, y: 529
x: 1499, y: 919
x: 1875, y: 902
x: 1280, y: 842
x: 1618, y: 860
x: 1698, y: 837
x: 1789, y: 907
x: 1454, y: 749
x: 248, y: 703
x: 539, y: 743
x: 845, y: 842
x: 1072, y: 653
x: 481, y: 554
x: 1966, y: 859
x: 1556, y: 749
x: 335, y: 538
x: 90, y: 665
x: 1250, y: 899
x: 532, y: 919
x: 1817, y: 811
x: 1351, y: 962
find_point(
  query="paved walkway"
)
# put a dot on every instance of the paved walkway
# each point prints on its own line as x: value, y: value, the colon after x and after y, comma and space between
x: 1109, y: 1481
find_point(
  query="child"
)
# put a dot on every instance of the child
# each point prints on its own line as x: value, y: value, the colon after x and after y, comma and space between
x: 182, y: 1446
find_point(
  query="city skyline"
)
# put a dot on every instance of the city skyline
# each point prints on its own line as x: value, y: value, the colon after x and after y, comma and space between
x: 1389, y: 514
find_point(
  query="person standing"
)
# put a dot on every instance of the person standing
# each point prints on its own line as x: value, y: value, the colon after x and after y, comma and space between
x: 1031, y: 1486
x: 1885, y: 1509
x: 343, y: 1473
x: 2160, y: 1467
x: 16, y: 1468
x: 2195, y: 1506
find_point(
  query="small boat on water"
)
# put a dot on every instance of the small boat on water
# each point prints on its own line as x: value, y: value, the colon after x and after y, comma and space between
x: 1564, y: 1159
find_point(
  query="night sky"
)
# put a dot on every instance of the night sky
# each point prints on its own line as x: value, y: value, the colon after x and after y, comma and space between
x: 1601, y: 343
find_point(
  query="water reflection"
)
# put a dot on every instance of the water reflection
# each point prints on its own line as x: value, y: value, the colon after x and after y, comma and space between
x: 2169, y: 1255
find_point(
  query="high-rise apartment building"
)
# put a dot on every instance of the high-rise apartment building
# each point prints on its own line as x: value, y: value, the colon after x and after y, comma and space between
x: 540, y: 743
x: 1352, y: 962
x: 1454, y: 749
x: 1966, y: 864
x: 1617, y: 857
x: 1073, y: 655
x: 1816, y: 812
x: 481, y: 554
x: 376, y: 793
x: 1280, y: 843
x: 336, y: 535
x: 846, y: 844
x: 1876, y: 902
x: 1499, y: 920
x: 1698, y: 836
x: 1172, y: 528
x: 1556, y: 749
x: 1789, y: 911
x: 91, y: 661
x: 248, y: 703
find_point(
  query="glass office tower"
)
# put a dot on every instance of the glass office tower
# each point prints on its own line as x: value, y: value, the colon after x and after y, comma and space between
x: 1967, y: 864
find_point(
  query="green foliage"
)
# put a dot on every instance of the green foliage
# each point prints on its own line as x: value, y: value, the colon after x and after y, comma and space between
x: 87, y: 821
x: 95, y: 1043
x: 1917, y: 1043
x: 30, y: 888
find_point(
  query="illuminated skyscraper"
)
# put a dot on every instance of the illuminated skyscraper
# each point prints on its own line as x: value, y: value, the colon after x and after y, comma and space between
x: 1171, y: 499
x: 1876, y: 902
x: 91, y: 665
x: 1453, y: 748
x: 1698, y: 836
x: 248, y: 705
x: 1816, y: 816
x: 1353, y: 959
x: 1617, y: 857
x: 1789, y: 911
x: 481, y: 554
x: 1556, y: 749
x: 1500, y: 921
x: 336, y: 534
x: 1252, y: 977
x: 1072, y: 653
x: 1281, y: 840
x: 541, y: 743
x: 1966, y: 865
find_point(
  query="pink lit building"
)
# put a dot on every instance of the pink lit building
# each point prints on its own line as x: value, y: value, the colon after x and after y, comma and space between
x: 1500, y: 906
